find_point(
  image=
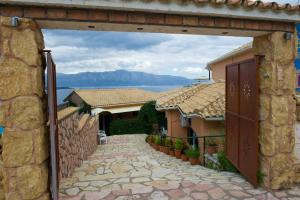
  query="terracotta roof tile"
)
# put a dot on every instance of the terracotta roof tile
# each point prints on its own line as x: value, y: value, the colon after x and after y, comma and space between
x: 203, y: 100
x: 252, y: 4
x: 110, y: 97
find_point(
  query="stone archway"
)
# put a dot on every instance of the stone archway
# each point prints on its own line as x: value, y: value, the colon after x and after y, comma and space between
x: 23, y: 107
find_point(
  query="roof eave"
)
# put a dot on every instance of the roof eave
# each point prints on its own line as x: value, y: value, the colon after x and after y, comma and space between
x: 192, y: 8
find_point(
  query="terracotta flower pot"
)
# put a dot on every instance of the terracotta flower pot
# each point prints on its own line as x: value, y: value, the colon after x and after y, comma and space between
x: 156, y: 146
x: 184, y: 157
x: 178, y: 154
x: 194, y: 161
x: 161, y: 148
x: 166, y: 150
x: 171, y: 153
x: 212, y: 149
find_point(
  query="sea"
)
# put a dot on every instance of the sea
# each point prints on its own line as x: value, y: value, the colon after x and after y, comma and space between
x: 62, y: 93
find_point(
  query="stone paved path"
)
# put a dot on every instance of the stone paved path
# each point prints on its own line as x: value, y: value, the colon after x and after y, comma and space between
x: 128, y: 168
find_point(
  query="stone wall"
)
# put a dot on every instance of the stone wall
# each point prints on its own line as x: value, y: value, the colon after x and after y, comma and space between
x: 23, y: 111
x: 277, y: 109
x: 77, y: 140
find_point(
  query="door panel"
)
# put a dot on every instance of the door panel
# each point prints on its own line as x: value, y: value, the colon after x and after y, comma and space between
x: 232, y: 131
x: 242, y: 117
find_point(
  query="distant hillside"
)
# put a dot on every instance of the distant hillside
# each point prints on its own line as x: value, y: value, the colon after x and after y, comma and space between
x: 118, y: 78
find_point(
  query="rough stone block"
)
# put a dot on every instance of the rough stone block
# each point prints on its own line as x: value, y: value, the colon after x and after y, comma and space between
x: 15, y: 78
x: 32, y: 181
x: 267, y: 139
x: 286, y: 138
x: 280, y: 110
x: 18, y: 147
x: 264, y: 107
x: 26, y: 113
x: 282, y: 171
x: 25, y: 47
x: 41, y: 145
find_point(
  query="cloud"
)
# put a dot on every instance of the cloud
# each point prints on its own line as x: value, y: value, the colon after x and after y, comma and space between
x: 183, y: 55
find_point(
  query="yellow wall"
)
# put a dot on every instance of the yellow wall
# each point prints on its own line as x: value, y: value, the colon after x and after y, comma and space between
x: 218, y: 69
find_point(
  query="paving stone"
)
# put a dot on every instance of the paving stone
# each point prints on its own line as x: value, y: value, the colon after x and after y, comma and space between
x: 175, y: 194
x: 158, y: 195
x: 82, y: 184
x: 140, y: 180
x: 216, y: 193
x: 199, y: 195
x: 239, y: 194
x: 73, y: 191
x: 142, y: 190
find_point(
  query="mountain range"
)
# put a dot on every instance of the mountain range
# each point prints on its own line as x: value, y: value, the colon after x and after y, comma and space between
x: 118, y: 78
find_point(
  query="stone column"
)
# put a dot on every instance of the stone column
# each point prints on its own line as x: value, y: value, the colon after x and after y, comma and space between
x: 277, y: 108
x: 23, y: 111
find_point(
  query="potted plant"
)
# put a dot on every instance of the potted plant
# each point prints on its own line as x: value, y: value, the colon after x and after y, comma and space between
x: 171, y: 151
x: 193, y: 155
x: 168, y: 144
x: 178, y: 148
x: 162, y: 145
x: 184, y: 156
x: 157, y: 142
x: 212, y: 146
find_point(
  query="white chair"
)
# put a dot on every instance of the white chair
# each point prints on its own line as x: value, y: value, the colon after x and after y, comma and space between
x: 102, y: 137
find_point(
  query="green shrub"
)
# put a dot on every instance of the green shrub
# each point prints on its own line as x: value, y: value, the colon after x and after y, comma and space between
x: 163, y: 141
x: 225, y: 164
x: 157, y: 140
x: 178, y: 144
x: 126, y: 126
x: 149, y: 115
x: 193, y: 153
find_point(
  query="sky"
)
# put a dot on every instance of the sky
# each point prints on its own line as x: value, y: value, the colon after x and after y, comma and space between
x: 172, y: 54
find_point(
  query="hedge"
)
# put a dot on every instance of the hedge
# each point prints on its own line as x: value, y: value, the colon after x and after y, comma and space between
x: 127, y: 126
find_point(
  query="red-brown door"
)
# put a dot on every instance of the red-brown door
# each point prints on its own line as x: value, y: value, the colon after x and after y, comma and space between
x: 52, y: 111
x: 242, y: 117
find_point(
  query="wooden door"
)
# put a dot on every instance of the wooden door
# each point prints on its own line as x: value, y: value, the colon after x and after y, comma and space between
x: 242, y: 117
x: 52, y: 111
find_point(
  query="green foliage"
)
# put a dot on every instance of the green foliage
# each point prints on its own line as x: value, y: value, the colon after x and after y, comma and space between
x: 193, y: 153
x: 149, y: 115
x: 168, y: 142
x: 225, y: 164
x: 178, y: 144
x: 126, y: 126
x: 260, y: 177
x: 157, y: 140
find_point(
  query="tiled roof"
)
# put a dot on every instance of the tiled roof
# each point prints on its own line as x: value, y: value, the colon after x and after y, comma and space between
x: 272, y: 5
x: 203, y: 100
x: 111, y: 97
x: 61, y: 114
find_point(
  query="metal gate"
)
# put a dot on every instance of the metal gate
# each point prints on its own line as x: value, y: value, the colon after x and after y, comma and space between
x: 52, y: 109
x: 242, y: 117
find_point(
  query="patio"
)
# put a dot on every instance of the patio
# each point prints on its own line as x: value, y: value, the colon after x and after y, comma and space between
x: 128, y: 168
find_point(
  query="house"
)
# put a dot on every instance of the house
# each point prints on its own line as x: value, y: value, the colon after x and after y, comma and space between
x: 111, y: 104
x: 197, y: 110
x: 217, y: 66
